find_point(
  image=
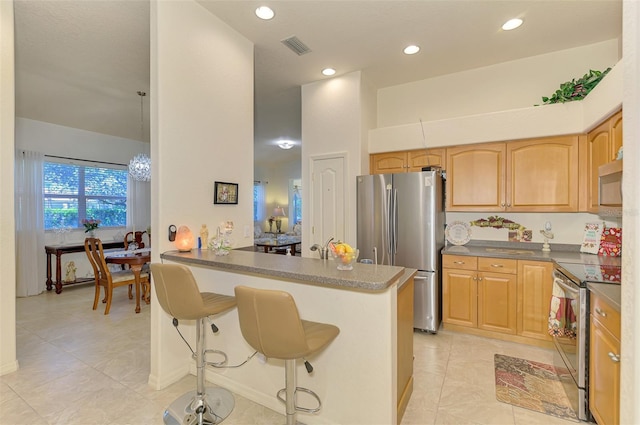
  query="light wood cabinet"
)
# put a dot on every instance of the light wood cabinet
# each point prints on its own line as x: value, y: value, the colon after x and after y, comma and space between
x: 602, y: 145
x: 405, y: 161
x: 480, y: 293
x: 535, y: 286
x: 475, y: 177
x: 501, y: 298
x: 604, y: 364
x: 405, y: 346
x: 523, y: 176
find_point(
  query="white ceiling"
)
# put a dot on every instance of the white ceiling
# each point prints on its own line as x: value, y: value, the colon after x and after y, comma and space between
x: 80, y: 63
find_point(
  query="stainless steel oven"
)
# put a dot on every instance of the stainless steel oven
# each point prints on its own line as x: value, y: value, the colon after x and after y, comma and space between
x: 572, y: 348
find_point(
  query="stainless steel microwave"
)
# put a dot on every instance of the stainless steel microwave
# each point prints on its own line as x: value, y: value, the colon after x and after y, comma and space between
x: 610, y: 189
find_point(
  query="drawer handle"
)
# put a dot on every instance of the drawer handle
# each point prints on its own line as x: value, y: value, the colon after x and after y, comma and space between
x: 458, y: 262
x: 614, y: 357
x: 600, y: 312
x: 497, y: 265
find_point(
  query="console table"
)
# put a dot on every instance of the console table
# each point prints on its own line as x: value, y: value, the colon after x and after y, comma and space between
x: 58, y: 250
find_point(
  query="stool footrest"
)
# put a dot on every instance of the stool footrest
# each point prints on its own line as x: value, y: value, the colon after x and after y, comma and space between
x: 299, y: 408
x: 214, y: 364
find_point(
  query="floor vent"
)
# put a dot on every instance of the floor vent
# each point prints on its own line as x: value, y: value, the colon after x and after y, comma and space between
x: 295, y: 44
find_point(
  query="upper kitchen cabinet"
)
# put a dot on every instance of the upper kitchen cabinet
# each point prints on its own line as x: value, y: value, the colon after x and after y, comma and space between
x: 525, y: 176
x: 603, y: 144
x: 475, y: 177
x: 405, y: 161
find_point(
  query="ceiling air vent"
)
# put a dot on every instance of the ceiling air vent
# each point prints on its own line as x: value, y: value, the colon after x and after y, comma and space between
x: 295, y: 44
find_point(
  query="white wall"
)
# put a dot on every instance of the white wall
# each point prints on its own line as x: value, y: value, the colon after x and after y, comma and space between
x: 509, y: 85
x: 8, y: 360
x: 52, y: 139
x: 630, y: 339
x: 332, y: 123
x: 201, y: 132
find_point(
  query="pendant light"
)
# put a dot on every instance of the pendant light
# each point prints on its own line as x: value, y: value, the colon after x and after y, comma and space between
x: 140, y: 165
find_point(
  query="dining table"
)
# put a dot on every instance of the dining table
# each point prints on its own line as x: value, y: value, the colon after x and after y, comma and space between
x: 135, y: 260
x: 274, y: 244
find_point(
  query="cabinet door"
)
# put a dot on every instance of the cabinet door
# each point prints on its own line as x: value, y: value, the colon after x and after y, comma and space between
x: 475, y: 177
x: 497, y: 302
x: 425, y: 157
x: 616, y: 135
x: 535, y: 285
x: 459, y: 297
x: 388, y: 162
x: 542, y: 175
x: 604, y: 375
x: 598, y: 153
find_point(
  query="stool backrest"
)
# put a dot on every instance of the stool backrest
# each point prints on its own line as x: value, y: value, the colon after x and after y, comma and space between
x: 270, y: 322
x: 177, y: 291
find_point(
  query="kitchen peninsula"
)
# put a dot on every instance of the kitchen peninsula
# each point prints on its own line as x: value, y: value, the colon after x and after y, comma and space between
x: 363, y: 377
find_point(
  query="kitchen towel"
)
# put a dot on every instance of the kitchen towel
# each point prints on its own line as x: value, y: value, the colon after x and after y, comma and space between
x: 562, y: 316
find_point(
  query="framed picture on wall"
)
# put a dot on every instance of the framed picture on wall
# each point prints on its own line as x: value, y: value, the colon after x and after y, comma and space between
x: 225, y: 193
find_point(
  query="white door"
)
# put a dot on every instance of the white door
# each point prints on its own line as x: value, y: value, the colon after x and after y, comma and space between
x: 328, y: 215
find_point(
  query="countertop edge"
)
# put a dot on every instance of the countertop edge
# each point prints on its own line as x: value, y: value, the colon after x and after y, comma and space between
x: 612, y: 294
x: 306, y: 270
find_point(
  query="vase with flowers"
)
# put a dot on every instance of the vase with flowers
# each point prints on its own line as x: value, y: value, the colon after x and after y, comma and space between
x: 221, y: 244
x: 90, y: 226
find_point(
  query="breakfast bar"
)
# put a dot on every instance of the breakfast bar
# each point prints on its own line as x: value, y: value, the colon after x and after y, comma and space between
x: 365, y: 376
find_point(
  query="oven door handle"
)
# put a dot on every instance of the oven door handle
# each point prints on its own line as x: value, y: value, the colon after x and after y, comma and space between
x: 566, y: 287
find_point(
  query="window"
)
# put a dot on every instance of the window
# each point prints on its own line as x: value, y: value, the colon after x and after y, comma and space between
x: 73, y: 192
x: 258, y: 201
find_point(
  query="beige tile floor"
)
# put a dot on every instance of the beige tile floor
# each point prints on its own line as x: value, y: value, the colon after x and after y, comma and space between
x: 78, y: 366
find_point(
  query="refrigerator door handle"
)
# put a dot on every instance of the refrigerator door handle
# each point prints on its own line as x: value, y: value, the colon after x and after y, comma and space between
x: 395, y: 224
x: 388, y: 225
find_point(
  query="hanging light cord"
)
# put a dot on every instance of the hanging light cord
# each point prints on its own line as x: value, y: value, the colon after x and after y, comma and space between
x: 142, y: 95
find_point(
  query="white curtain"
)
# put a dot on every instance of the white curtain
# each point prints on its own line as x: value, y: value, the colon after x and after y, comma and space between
x: 138, y: 205
x: 29, y: 211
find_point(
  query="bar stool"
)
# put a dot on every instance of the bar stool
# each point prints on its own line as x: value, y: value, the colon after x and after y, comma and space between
x: 270, y: 323
x: 179, y: 296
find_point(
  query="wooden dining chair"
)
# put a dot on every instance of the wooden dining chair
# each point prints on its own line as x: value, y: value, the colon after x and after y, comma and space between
x: 129, y: 239
x: 107, y: 279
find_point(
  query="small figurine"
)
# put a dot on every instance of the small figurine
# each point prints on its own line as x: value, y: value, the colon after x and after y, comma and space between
x: 547, y: 235
x: 204, y: 235
x: 70, y: 275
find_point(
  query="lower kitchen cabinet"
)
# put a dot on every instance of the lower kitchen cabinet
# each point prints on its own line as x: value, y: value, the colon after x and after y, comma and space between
x: 496, y: 297
x: 535, y: 286
x: 604, y: 363
x: 480, y: 292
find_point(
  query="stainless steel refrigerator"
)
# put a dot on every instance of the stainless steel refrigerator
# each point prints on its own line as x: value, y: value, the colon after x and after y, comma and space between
x: 400, y: 222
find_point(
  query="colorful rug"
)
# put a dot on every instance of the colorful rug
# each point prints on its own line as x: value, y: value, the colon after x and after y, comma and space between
x: 532, y: 385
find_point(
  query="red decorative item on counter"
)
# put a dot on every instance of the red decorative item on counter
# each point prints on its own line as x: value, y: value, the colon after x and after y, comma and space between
x: 611, y: 242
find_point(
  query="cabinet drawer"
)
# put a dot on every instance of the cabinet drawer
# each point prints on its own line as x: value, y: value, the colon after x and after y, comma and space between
x: 497, y: 265
x: 459, y: 262
x: 605, y: 314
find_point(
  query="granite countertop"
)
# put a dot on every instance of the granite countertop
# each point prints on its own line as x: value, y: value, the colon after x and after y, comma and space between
x: 611, y: 293
x: 529, y: 251
x: 367, y: 277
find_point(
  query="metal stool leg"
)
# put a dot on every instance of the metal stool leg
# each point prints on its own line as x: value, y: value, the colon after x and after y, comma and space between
x: 205, y: 406
x: 290, y: 385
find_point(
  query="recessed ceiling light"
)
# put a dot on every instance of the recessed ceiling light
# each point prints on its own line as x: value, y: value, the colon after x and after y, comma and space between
x: 411, y: 50
x: 328, y: 72
x: 285, y: 144
x: 512, y: 24
x: 264, y: 12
